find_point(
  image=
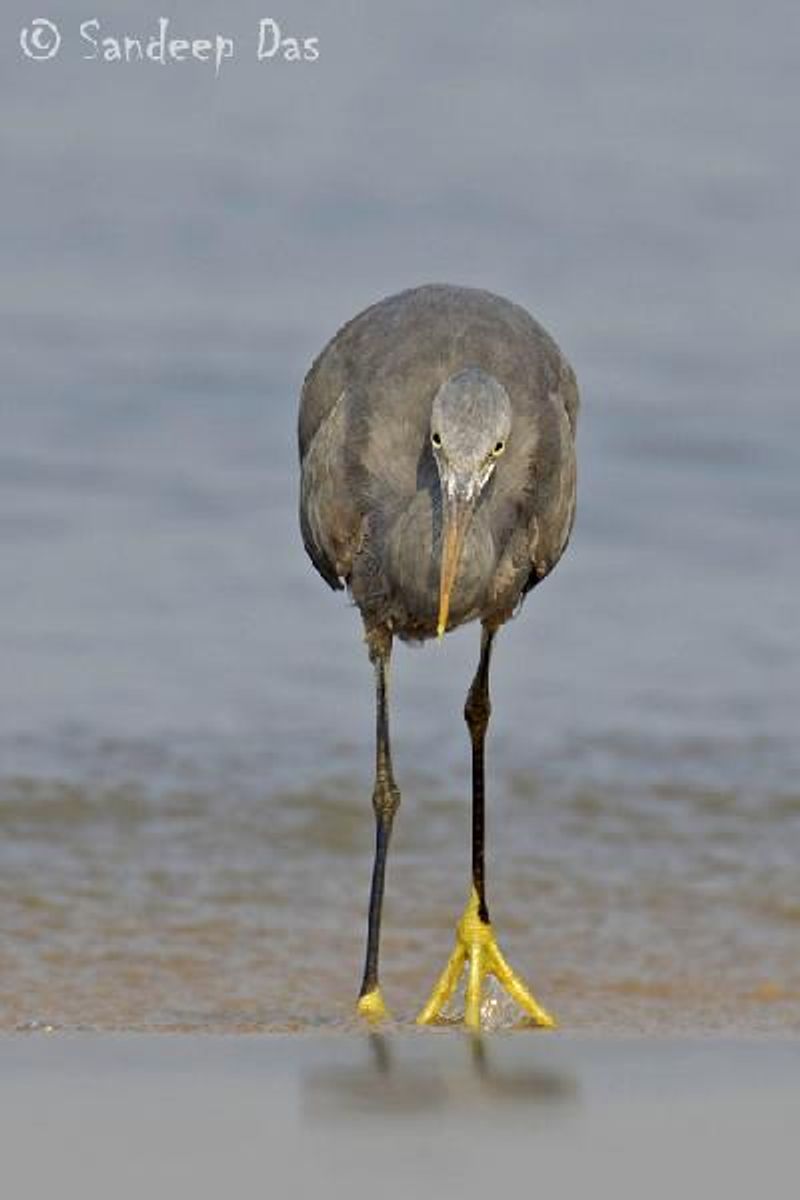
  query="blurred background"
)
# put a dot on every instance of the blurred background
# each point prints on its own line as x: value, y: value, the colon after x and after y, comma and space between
x: 185, y: 710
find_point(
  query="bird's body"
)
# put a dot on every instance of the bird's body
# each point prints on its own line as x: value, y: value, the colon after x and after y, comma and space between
x: 437, y: 450
x: 370, y: 497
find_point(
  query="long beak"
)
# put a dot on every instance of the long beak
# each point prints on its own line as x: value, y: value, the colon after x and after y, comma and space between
x: 456, y: 516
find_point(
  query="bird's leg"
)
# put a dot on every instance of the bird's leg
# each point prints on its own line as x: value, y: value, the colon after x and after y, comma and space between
x: 477, y: 710
x: 475, y: 940
x: 385, y: 801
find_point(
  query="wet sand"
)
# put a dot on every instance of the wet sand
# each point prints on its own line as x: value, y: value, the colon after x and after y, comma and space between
x: 210, y: 906
x: 202, y: 1116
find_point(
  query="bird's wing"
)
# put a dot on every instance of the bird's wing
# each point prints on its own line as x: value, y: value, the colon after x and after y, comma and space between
x: 567, y: 392
x: 552, y: 513
x: 316, y: 554
x: 531, y: 507
x: 353, y: 441
x: 330, y: 519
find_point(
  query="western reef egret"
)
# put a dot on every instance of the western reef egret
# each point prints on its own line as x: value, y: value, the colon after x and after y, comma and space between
x: 437, y: 450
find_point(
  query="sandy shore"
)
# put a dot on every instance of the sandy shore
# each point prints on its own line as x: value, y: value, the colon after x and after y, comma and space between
x: 204, y: 1116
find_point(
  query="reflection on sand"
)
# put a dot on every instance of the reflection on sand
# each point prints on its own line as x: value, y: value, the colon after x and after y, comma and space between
x: 419, y: 1077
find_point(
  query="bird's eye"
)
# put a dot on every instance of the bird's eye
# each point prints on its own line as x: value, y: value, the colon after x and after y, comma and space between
x: 436, y: 438
x: 499, y: 447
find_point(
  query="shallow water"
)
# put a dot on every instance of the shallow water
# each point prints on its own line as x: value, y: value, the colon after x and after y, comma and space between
x: 610, y: 1117
x: 185, y: 712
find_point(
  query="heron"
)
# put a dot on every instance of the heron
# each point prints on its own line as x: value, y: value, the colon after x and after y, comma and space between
x: 437, y: 484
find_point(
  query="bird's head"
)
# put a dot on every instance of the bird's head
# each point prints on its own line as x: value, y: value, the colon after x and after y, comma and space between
x: 470, y: 425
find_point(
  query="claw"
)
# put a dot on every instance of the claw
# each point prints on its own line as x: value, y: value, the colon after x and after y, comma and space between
x: 475, y: 944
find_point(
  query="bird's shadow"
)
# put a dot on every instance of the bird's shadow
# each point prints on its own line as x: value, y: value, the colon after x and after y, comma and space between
x: 422, y: 1075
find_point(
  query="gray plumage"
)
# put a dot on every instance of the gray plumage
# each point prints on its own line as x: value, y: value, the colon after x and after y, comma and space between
x: 481, y: 375
x: 437, y: 451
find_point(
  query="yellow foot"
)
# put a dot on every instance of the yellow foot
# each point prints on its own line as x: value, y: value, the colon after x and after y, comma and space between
x: 476, y: 945
x: 373, y: 1006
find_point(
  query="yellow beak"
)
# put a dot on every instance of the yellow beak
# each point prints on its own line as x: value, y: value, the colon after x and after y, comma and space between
x: 456, y: 517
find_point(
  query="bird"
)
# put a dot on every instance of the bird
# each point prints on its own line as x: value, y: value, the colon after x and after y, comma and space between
x: 438, y: 475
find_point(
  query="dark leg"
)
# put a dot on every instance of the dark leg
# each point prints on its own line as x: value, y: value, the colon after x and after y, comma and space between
x: 477, y: 711
x: 385, y: 801
x: 476, y: 946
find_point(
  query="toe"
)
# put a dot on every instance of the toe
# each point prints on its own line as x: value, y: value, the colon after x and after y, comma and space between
x: 373, y: 1006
